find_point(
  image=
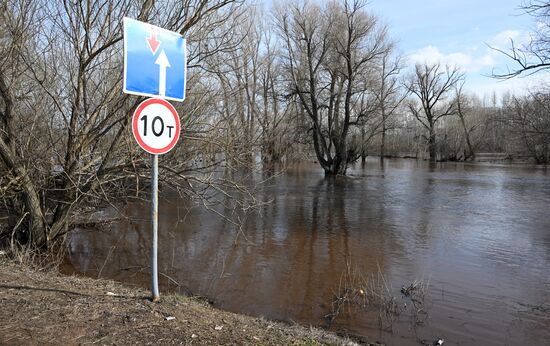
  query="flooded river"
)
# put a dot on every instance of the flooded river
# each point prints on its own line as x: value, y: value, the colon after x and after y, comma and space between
x: 477, y: 238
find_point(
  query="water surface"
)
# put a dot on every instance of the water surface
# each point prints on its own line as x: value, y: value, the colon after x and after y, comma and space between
x: 478, y: 234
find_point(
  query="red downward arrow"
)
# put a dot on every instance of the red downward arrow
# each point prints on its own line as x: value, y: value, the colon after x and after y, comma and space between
x: 153, y: 42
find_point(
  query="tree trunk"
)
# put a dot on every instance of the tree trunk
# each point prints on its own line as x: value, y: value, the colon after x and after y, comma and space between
x: 60, y: 224
x: 31, y: 199
x: 337, y: 168
x: 363, y: 146
x: 471, y: 154
x: 383, y: 142
x: 339, y: 162
x: 37, y: 229
x: 432, y: 145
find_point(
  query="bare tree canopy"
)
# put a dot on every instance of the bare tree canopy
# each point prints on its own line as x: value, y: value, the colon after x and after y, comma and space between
x: 331, y: 52
x: 64, y: 139
x: 432, y: 85
x: 528, y: 119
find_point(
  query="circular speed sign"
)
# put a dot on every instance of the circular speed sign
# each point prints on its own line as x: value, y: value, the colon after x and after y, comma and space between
x: 156, y: 126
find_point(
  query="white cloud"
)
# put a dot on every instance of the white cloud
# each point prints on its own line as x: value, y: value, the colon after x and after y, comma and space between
x: 465, y: 61
x: 503, y: 40
x: 480, y: 61
x: 473, y: 59
x: 542, y: 25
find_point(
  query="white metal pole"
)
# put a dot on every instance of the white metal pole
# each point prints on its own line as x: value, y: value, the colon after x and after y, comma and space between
x: 154, y: 223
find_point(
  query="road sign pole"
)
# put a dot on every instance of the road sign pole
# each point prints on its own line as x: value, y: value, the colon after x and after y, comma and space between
x: 154, y: 223
x: 155, y: 124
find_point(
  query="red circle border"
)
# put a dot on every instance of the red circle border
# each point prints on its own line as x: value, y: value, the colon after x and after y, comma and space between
x: 135, y: 119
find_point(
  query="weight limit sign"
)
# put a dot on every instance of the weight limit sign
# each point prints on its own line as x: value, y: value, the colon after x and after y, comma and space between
x: 156, y: 126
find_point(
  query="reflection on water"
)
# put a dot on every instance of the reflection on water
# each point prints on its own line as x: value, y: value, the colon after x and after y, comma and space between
x: 479, y: 234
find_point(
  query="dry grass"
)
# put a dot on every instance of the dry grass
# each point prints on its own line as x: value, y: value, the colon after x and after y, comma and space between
x: 44, y: 308
x: 38, y: 260
x: 371, y: 293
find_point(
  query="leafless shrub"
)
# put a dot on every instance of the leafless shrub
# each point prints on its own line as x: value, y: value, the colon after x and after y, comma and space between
x: 372, y: 293
x: 32, y: 257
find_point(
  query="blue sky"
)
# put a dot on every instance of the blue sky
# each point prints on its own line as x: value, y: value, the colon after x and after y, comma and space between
x: 457, y: 32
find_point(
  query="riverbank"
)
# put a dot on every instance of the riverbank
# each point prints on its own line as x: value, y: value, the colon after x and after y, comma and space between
x: 46, y: 308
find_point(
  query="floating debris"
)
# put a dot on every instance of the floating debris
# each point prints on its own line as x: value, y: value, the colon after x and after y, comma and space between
x: 409, y: 290
x: 436, y: 342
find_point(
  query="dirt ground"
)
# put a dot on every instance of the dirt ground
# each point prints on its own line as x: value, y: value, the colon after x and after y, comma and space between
x: 46, y: 308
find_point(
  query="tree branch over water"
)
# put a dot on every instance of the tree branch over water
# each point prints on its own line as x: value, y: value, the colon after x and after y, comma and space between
x: 533, y: 56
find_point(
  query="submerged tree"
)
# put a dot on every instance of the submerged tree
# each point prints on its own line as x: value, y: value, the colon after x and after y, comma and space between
x: 330, y: 55
x: 389, y: 96
x: 527, y: 117
x: 433, y: 86
x: 461, y: 104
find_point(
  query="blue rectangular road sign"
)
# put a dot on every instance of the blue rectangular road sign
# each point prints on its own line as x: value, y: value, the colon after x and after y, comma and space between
x: 155, y: 61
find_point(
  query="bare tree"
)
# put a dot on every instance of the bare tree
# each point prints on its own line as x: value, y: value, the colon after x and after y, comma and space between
x: 389, y: 95
x: 277, y: 129
x: 460, y: 110
x: 433, y: 87
x: 527, y: 117
x: 15, y: 34
x: 66, y: 81
x: 330, y: 54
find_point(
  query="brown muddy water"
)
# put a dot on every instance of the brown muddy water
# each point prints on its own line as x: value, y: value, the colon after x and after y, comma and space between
x: 479, y: 235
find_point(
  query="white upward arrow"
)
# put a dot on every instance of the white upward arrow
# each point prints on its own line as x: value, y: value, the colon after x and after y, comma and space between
x: 163, y: 63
